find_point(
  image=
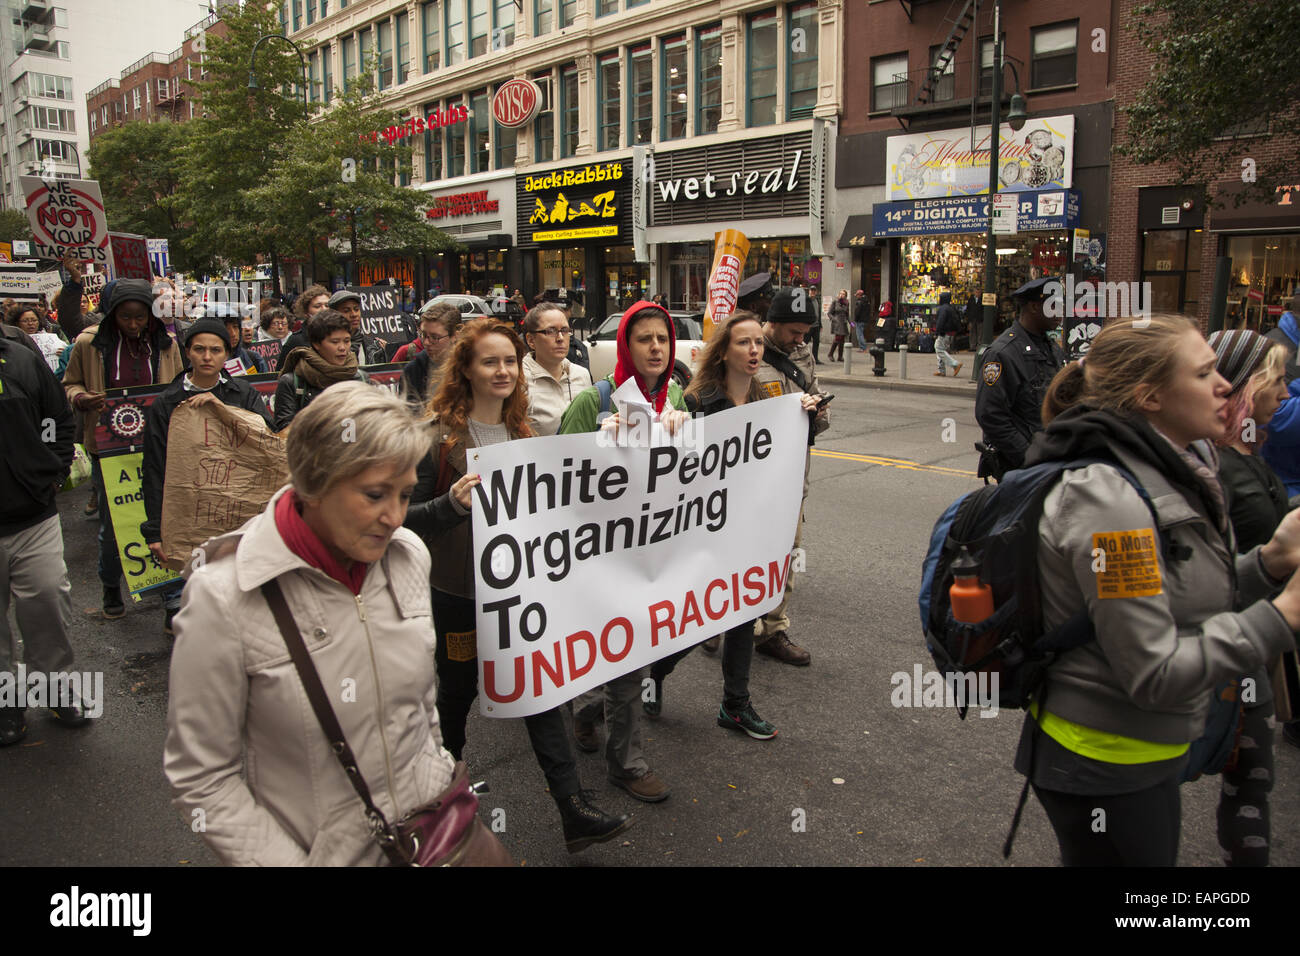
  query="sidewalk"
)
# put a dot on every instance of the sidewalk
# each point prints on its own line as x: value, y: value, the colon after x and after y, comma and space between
x: 920, y: 377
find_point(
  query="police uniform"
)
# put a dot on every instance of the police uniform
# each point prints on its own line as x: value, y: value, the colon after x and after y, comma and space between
x: 1014, y: 375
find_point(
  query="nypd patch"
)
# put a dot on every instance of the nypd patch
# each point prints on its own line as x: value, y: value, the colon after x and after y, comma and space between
x: 992, y: 372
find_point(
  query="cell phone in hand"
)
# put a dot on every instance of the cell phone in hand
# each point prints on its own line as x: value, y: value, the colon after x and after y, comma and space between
x: 824, y: 401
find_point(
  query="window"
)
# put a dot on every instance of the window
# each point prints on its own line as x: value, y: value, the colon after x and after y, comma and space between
x: 313, y: 72
x: 432, y: 148
x: 311, y: 12
x: 455, y: 32
x: 297, y: 15
x: 672, y: 117
x: 568, y: 111
x: 324, y: 9
x: 284, y: 18
x: 504, y: 21
x: 543, y: 17
x: 708, y: 79
x: 92, y: 123
x: 455, y: 147
x: 478, y: 27
x: 636, y: 3
x: 349, y: 63
x: 1054, y: 55
x: 942, y: 87
x: 135, y: 97
x: 189, y: 69
x: 505, y: 144
x: 432, y: 43
x: 608, y: 96
x: 162, y: 90
x: 889, y: 82
x: 801, y: 61
x: 44, y: 84
x: 568, y: 13
x: 60, y: 121
x: 606, y: 7
x: 403, y: 48
x: 327, y: 59
x: 480, y: 128
x: 384, y: 29
x: 640, y: 85
x: 986, y: 66
x: 544, y: 124
x: 365, y: 49
x: 760, y: 54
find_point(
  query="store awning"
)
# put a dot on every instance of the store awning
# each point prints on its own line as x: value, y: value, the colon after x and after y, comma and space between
x: 857, y: 233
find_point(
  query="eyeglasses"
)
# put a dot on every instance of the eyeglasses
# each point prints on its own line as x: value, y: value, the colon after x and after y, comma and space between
x: 431, y: 337
x: 554, y: 333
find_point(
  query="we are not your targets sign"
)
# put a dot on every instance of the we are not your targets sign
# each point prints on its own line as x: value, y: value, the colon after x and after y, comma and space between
x: 595, y: 557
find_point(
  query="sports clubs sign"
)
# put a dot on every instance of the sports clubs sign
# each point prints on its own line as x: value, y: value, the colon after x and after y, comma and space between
x: 516, y: 102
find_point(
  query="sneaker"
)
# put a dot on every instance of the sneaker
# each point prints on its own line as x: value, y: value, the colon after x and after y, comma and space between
x: 957, y: 371
x: 784, y: 650
x: 113, y: 606
x: 940, y: 373
x: 585, y: 824
x: 655, y: 706
x: 13, y: 725
x: 584, y: 734
x: 711, y: 645
x: 745, y: 719
x: 73, y: 715
x: 92, y: 507
x: 648, y: 787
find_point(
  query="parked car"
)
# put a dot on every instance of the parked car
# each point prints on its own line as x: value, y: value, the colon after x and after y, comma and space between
x: 602, y: 350
x: 469, y: 305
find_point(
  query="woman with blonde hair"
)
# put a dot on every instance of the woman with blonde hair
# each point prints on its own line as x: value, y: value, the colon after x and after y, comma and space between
x: 352, y: 595
x: 1111, y: 727
x: 482, y: 401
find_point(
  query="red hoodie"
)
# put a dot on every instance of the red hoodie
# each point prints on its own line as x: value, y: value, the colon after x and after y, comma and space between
x: 655, y: 392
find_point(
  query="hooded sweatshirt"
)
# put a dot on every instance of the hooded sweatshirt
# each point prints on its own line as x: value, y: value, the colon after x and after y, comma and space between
x: 581, y: 415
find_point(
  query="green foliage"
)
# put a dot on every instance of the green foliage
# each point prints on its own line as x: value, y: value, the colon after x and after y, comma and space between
x: 333, y: 176
x: 138, y: 169
x: 1223, y: 71
x: 14, y: 225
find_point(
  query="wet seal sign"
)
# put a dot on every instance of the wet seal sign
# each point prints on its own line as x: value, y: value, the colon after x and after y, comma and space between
x: 992, y: 372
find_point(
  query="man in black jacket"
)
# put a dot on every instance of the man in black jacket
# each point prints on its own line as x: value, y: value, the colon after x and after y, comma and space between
x: 946, y: 326
x: 36, y: 427
x: 206, y: 350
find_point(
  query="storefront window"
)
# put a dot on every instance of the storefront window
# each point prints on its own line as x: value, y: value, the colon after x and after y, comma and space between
x: 483, y: 271
x: 783, y: 258
x: 1265, y: 275
x: 688, y: 275
x: 626, y: 280
x: 562, y: 275
x: 1170, y: 269
x: 440, y: 269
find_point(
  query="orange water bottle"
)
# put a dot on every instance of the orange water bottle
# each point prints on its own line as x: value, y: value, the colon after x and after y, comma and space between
x: 971, y: 598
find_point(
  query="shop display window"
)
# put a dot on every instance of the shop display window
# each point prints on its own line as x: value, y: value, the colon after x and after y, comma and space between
x: 1265, y: 276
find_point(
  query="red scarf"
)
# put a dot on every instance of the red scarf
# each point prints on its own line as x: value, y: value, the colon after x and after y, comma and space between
x: 302, y: 541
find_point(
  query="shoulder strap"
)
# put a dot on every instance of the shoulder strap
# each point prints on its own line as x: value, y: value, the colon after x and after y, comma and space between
x: 320, y: 705
x: 781, y: 362
x: 606, y: 390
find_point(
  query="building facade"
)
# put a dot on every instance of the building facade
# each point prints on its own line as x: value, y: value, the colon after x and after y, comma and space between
x: 52, y: 53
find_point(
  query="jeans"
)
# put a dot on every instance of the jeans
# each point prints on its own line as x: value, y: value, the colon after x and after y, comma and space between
x: 777, y: 620
x: 737, y: 655
x: 110, y: 561
x: 458, y: 686
x: 941, y: 345
x: 862, y: 338
x: 33, y: 573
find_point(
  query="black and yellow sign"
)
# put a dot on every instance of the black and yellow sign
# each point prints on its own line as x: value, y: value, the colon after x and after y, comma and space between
x: 582, y: 204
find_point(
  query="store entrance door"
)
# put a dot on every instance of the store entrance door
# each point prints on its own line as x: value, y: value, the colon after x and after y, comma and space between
x: 688, y: 276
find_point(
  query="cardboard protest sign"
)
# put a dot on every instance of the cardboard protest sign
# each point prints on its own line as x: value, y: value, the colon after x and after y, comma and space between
x: 266, y: 350
x: 29, y: 284
x: 123, y: 482
x: 223, y: 466
x: 130, y: 256
x: 382, y: 317
x: 67, y: 218
x: 596, y: 556
x: 730, y: 249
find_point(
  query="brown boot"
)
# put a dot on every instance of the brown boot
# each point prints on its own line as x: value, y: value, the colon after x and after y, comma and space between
x: 711, y: 645
x: 784, y: 650
x: 647, y: 788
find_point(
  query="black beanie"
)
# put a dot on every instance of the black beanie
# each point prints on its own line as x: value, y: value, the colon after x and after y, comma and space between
x: 212, y: 327
x: 792, y: 305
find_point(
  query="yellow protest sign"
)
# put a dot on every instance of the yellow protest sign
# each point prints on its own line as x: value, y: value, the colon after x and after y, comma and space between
x: 1126, y: 563
x: 123, y: 481
x: 730, y: 249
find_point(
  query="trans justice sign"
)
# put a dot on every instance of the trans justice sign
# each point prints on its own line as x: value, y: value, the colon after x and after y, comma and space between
x: 1045, y: 209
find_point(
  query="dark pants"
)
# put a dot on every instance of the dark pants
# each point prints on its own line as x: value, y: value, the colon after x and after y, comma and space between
x: 1140, y: 829
x: 110, y: 562
x: 737, y: 654
x: 816, y: 341
x: 458, y: 686
x: 1243, y: 801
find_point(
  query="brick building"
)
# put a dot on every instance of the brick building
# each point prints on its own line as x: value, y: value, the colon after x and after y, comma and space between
x: 910, y: 171
x: 1164, y: 235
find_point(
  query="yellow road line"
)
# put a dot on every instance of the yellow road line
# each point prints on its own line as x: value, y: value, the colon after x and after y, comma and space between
x: 894, y: 463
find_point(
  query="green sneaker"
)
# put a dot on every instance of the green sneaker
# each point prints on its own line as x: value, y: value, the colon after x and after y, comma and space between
x: 746, y: 719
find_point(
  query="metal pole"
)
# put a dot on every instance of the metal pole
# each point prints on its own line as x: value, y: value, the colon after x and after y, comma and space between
x: 995, y: 121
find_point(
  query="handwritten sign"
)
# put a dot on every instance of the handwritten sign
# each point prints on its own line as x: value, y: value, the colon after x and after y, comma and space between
x: 124, y: 484
x: 67, y: 219
x: 130, y: 256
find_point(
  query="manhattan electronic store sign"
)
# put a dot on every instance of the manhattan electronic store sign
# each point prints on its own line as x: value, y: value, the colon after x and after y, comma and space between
x: 575, y: 206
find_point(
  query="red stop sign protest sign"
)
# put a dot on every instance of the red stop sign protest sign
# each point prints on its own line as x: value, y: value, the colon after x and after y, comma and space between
x: 67, y: 218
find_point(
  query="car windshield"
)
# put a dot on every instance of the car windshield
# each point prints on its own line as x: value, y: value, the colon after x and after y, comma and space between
x: 688, y: 329
x: 608, y: 330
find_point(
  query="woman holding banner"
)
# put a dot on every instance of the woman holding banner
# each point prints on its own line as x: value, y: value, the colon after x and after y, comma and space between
x: 726, y: 379
x: 482, y: 401
x: 308, y: 372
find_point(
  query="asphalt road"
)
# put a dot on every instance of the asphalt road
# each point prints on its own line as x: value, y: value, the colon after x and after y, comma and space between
x: 850, y: 780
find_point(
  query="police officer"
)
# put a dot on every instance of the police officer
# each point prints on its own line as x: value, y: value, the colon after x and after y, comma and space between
x: 1014, y: 376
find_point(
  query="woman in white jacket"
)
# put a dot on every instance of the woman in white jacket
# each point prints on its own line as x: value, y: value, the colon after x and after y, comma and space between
x: 356, y: 583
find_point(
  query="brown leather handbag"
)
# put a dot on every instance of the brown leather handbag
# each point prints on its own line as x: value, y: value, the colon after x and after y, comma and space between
x: 444, y: 832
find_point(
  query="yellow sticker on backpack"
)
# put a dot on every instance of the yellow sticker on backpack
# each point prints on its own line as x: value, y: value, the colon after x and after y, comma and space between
x: 774, y: 389
x: 462, y: 646
x: 1126, y: 564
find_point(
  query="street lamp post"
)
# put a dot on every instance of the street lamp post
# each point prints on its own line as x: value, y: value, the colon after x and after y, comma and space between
x: 1016, y: 118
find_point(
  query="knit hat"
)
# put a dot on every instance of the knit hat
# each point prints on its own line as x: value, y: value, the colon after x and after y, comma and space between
x: 1240, y: 353
x: 792, y: 305
x: 343, y: 295
x: 211, y: 326
x: 129, y: 290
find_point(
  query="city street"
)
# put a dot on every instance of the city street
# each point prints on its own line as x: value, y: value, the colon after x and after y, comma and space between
x: 850, y: 780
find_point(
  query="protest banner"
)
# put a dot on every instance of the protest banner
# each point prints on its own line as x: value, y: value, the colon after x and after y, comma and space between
x: 269, y: 351
x: 730, y: 249
x: 130, y: 256
x: 382, y: 317
x: 123, y: 482
x: 67, y: 218
x: 223, y: 466
x: 29, y: 284
x: 594, y: 557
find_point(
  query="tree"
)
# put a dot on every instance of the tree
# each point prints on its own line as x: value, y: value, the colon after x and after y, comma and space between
x: 1223, y: 72
x: 239, y: 136
x: 138, y: 169
x: 333, y: 180
x: 14, y: 225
